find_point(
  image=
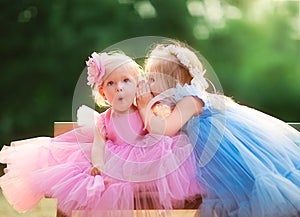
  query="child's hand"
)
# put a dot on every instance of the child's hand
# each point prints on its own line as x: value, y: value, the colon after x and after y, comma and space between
x: 143, y: 95
x: 162, y: 110
x: 95, y: 171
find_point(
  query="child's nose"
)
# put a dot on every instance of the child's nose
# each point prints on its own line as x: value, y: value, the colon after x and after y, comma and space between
x: 119, y: 87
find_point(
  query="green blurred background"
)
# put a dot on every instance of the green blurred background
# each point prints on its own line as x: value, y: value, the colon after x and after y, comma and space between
x: 253, y: 47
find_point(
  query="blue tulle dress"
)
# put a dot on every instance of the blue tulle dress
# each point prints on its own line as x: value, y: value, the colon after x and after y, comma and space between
x: 248, y: 161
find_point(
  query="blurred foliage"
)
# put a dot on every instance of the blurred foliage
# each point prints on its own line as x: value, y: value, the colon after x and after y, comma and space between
x: 252, y: 46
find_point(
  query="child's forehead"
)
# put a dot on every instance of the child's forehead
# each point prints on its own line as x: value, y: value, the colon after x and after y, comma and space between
x: 152, y: 73
x: 121, y: 72
x: 157, y: 75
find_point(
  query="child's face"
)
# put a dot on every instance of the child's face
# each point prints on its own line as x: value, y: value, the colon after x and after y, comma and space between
x: 158, y: 82
x: 119, y: 89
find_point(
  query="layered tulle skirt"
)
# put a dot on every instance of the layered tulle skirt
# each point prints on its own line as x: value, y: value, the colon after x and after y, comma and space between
x: 249, y: 162
x: 25, y: 158
x: 156, y: 173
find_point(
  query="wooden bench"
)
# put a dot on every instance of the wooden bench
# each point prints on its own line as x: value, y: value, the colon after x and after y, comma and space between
x: 63, y: 127
x: 189, y: 210
x: 150, y: 213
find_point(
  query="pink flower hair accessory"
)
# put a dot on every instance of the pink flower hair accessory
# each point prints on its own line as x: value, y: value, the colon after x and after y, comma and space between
x: 96, y: 69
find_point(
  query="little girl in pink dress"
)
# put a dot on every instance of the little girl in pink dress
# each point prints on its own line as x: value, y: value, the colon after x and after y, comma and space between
x: 109, y: 166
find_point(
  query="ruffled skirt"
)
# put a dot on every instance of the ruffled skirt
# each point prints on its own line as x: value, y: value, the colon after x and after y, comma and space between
x: 249, y: 162
x: 156, y: 173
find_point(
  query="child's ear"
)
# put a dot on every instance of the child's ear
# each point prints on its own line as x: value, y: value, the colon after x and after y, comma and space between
x: 100, y: 90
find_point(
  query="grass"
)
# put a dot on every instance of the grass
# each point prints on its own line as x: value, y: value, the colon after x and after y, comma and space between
x: 45, y: 208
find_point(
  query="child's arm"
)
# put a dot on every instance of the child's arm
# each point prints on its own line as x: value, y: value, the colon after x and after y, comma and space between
x: 184, y: 110
x: 97, y: 153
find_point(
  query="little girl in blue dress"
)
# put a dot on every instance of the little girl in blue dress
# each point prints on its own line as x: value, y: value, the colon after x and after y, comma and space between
x: 248, y: 160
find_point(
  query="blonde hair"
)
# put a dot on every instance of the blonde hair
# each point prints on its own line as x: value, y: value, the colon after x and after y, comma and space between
x: 187, y: 69
x: 161, y: 59
x: 113, y: 61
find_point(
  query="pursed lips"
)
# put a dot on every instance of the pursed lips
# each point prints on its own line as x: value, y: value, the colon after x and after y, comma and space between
x: 119, y: 97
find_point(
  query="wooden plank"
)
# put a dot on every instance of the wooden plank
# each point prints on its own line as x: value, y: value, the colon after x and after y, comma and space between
x: 169, y: 213
x: 142, y: 213
x: 63, y: 127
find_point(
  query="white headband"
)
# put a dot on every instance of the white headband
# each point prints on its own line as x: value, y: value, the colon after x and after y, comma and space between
x: 198, y: 77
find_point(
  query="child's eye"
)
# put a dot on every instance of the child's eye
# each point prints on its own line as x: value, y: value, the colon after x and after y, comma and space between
x: 110, y: 83
x: 151, y: 79
x: 126, y: 80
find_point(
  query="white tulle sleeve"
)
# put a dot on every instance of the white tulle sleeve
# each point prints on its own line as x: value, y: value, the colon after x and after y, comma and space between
x: 190, y: 90
x: 87, y: 116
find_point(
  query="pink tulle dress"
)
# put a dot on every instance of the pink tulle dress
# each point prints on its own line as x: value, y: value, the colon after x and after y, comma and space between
x: 141, y: 171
